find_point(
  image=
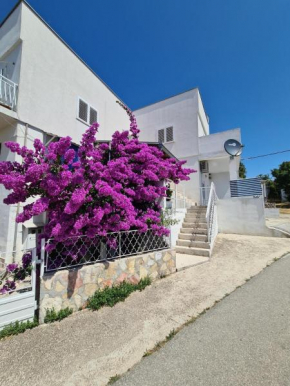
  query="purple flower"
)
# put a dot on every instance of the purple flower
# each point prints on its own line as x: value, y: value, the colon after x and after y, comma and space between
x: 26, y: 260
x: 11, y: 267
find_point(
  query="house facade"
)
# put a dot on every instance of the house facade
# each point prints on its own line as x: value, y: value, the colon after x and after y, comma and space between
x: 46, y: 91
x: 182, y: 125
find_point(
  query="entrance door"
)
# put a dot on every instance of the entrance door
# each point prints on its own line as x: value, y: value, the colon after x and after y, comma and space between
x: 204, y: 183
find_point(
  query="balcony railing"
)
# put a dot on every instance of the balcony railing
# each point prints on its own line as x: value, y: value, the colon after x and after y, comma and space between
x: 8, y: 92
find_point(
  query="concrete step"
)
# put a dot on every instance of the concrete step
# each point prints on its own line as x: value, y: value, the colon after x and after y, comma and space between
x: 194, y: 217
x: 195, y: 224
x: 190, y: 237
x: 193, y: 251
x: 184, y: 261
x: 193, y: 244
x: 194, y: 231
x: 196, y: 210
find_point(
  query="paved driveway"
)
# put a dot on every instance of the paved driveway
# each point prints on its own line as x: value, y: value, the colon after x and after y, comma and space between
x: 88, y: 348
x: 282, y: 222
x: 243, y: 340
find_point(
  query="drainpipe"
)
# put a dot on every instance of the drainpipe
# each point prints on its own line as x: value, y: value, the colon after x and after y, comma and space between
x: 18, y: 205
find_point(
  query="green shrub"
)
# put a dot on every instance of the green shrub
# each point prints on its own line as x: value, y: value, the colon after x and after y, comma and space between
x: 109, y: 296
x: 17, y: 328
x: 53, y: 316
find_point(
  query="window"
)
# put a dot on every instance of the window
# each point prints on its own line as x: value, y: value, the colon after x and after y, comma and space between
x: 203, y: 166
x: 93, y: 116
x: 165, y: 135
x: 161, y: 137
x: 83, y: 111
x: 87, y: 113
x: 169, y: 134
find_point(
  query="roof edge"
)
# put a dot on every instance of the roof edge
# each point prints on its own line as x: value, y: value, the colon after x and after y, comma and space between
x: 165, y: 99
x: 61, y: 39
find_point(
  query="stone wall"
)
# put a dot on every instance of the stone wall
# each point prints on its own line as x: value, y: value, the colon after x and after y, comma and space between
x: 72, y: 287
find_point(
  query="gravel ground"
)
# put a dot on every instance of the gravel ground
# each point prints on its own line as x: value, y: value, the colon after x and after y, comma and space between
x: 243, y: 340
x: 88, y: 348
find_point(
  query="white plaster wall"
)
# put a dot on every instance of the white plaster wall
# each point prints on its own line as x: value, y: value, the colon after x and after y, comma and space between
x: 10, y: 32
x: 222, y: 184
x: 51, y: 80
x: 181, y: 113
x: 242, y: 215
x: 175, y: 229
x: 202, y: 118
x: 213, y: 145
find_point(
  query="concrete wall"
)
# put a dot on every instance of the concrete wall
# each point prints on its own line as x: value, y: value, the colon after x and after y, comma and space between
x: 213, y: 145
x: 242, y: 215
x: 222, y: 185
x: 10, y: 32
x: 272, y: 212
x: 175, y: 229
x: 71, y: 288
x: 181, y: 113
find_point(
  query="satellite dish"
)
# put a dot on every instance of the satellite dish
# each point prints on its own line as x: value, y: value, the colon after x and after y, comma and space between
x: 233, y: 147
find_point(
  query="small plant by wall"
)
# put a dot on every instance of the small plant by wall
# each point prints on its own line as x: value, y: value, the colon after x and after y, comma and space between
x: 17, y: 328
x: 53, y: 316
x: 112, y: 295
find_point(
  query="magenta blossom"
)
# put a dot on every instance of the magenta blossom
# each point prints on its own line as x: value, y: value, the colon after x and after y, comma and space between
x: 99, y: 189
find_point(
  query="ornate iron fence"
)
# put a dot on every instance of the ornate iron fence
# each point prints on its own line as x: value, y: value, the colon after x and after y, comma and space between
x: 82, y: 250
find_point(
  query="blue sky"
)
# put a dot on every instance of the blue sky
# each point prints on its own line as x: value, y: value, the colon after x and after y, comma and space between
x: 236, y: 52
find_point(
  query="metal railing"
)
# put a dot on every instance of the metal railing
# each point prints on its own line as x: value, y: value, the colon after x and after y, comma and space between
x: 204, y: 195
x: 211, y: 216
x: 81, y: 250
x: 179, y: 201
x: 8, y: 92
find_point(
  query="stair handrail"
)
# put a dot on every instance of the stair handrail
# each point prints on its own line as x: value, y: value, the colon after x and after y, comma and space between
x: 211, y: 216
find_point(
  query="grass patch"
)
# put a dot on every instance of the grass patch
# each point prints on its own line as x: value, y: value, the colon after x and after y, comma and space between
x: 171, y: 335
x: 53, y: 316
x: 114, y: 379
x: 17, y: 328
x: 109, y: 296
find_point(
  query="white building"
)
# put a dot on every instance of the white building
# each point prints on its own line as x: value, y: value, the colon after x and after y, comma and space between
x: 46, y: 90
x: 181, y: 124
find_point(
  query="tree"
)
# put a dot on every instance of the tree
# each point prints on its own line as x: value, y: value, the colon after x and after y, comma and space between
x: 108, y: 189
x: 242, y: 170
x: 282, y: 177
x: 272, y: 190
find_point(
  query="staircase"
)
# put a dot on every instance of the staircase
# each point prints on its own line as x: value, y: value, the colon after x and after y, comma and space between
x: 193, y: 236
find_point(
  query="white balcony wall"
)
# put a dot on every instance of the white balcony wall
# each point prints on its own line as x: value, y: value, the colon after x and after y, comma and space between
x: 10, y: 32
x: 213, y: 145
x: 10, y: 63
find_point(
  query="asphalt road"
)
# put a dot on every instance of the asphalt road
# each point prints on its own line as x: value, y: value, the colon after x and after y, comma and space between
x: 243, y: 340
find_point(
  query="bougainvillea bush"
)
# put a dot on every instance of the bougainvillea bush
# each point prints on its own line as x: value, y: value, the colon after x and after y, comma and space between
x: 103, y: 188
x: 15, y: 273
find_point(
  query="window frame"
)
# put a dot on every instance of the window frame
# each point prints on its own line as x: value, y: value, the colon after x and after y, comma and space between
x: 89, y: 111
x: 165, y: 134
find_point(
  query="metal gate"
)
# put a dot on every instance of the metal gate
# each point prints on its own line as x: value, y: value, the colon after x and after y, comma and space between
x: 20, y: 304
